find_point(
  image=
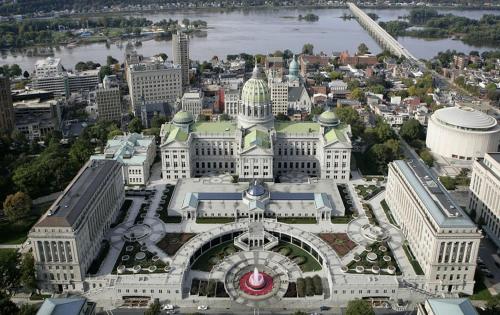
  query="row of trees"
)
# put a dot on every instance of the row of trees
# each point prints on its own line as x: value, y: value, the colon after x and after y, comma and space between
x: 309, y: 286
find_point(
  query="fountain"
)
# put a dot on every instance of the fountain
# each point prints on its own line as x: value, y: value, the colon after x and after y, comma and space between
x: 256, y: 279
x: 256, y: 283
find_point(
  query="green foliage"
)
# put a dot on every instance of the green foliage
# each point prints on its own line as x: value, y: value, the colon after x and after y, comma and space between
x: 350, y: 116
x: 282, y: 117
x: 17, y: 206
x: 310, y: 17
x: 363, y: 49
x: 395, y: 28
x: 203, y: 118
x: 412, y: 130
x: 158, y: 120
x: 104, y: 71
x: 28, y: 309
x: 426, y: 156
x: 224, y: 117
x: 11, y: 71
x: 358, y: 94
x: 334, y: 75
x: 359, y: 307
x: 111, y: 61
x: 80, y: 152
x: 309, y: 286
x: 84, y: 66
x: 27, y: 270
x: 318, y: 285
x: 154, y: 308
x: 308, y: 49
x: 7, y: 307
x: 301, y: 287
x: 9, y: 274
x: 422, y: 15
x: 115, y: 132
x: 135, y: 125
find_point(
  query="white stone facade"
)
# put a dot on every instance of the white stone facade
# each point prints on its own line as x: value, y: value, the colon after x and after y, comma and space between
x: 443, y: 239
x: 154, y: 81
x: 484, y: 196
x: 68, y: 237
x: 192, y: 102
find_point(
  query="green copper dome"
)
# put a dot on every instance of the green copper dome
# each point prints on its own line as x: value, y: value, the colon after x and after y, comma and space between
x: 293, y: 69
x: 255, y: 90
x: 329, y: 118
x: 183, y: 117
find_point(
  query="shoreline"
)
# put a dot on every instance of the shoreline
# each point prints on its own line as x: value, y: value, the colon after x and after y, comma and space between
x: 263, y: 7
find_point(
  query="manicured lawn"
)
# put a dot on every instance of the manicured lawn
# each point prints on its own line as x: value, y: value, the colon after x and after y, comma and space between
x: 340, y: 242
x: 310, y: 264
x: 297, y: 220
x: 414, y: 263
x: 481, y: 292
x: 39, y: 297
x: 214, y: 220
x: 6, y: 251
x: 341, y: 220
x: 212, y: 256
x: 17, y: 232
x: 388, y: 213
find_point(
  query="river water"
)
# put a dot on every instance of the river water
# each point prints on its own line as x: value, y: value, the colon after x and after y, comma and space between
x: 261, y: 31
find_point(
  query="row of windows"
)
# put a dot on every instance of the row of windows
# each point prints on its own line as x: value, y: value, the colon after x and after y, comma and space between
x: 302, y: 165
x: 135, y: 171
x: 361, y: 291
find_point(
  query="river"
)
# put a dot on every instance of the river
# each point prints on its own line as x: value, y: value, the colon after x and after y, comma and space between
x: 261, y: 31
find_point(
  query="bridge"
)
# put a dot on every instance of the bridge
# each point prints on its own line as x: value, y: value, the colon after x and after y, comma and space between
x: 384, y: 39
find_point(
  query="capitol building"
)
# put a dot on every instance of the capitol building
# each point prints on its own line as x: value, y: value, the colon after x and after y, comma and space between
x: 255, y: 146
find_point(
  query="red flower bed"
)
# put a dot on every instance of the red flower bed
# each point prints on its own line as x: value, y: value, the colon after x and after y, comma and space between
x: 245, y: 287
x: 340, y: 242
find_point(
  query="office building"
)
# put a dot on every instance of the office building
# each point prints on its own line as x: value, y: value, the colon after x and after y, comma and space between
x: 36, y: 118
x: 135, y: 152
x: 68, y: 236
x: 153, y: 80
x: 484, y: 195
x: 192, y: 102
x: 443, y: 239
x: 180, y: 52
x: 109, y: 100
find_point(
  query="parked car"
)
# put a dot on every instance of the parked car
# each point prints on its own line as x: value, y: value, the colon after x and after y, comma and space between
x: 202, y: 307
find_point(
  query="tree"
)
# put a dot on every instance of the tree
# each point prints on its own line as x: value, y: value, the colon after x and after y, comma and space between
x: 203, y: 118
x: 493, y: 304
x: 26, y: 74
x: 282, y: 117
x: 358, y: 94
x: 383, y: 131
x: 15, y: 70
x: 115, y: 132
x: 411, y: 130
x: 9, y: 274
x: 81, y: 66
x: 27, y: 270
x: 163, y: 56
x: 308, y: 49
x: 158, y: 120
x: 7, y: 307
x: 135, y: 125
x: 111, y: 61
x: 154, y: 308
x: 334, y: 75
x: 363, y: 49
x: 359, y: 307
x: 80, y: 151
x: 427, y: 157
x: 28, y: 309
x: 17, y: 206
x: 104, y: 71
x: 224, y: 117
x: 350, y: 116
x: 301, y: 287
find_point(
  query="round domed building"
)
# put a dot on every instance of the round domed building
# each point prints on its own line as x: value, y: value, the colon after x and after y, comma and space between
x: 462, y: 133
x: 256, y: 106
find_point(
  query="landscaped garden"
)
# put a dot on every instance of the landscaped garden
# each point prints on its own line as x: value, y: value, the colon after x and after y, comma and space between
x: 377, y: 258
x: 214, y: 255
x: 350, y: 212
x: 413, y: 261
x: 388, y: 213
x: 171, y: 242
x: 163, y: 207
x: 209, y: 288
x: 309, y: 286
x: 303, y: 259
x: 135, y: 258
x: 368, y: 191
x: 340, y: 242
x: 214, y: 220
x: 370, y: 214
x: 297, y: 220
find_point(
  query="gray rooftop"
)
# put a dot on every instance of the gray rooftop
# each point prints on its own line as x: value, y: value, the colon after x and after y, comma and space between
x: 65, y: 211
x: 439, y: 203
x: 70, y: 306
x: 495, y: 156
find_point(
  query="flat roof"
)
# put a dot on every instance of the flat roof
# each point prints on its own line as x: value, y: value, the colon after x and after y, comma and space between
x: 438, y: 202
x: 65, y: 211
x: 297, y: 127
x: 214, y: 127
